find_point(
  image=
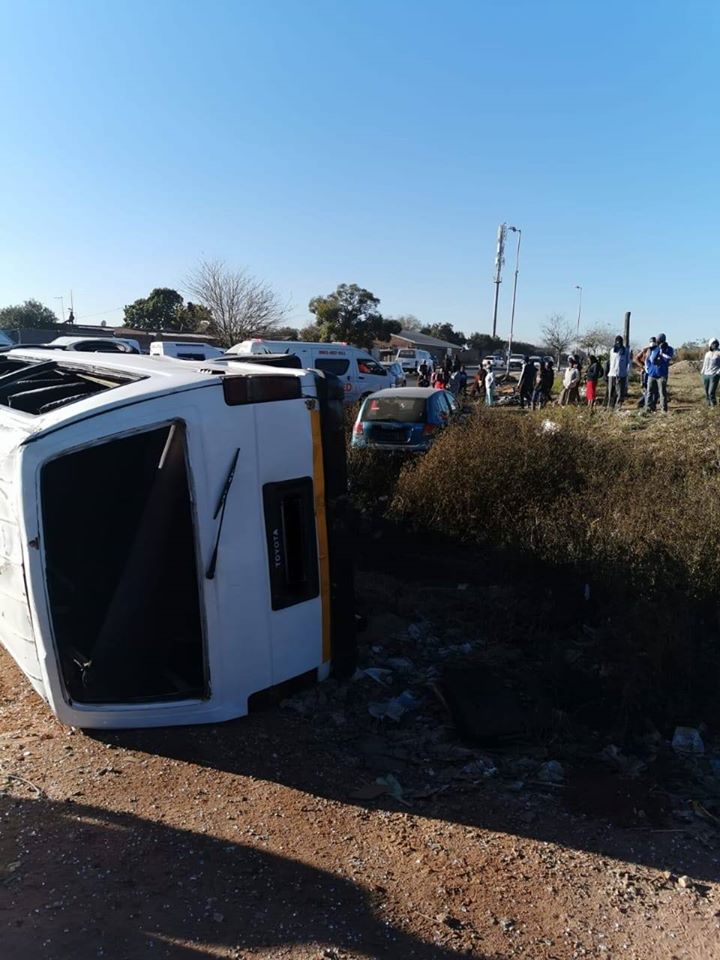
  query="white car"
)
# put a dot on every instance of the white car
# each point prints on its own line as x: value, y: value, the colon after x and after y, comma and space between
x: 184, y: 350
x: 497, y: 362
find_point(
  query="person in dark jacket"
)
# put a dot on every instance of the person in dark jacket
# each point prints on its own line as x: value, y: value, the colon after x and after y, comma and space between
x: 478, y: 387
x: 657, y: 367
x: 526, y: 383
x: 594, y: 372
x: 543, y: 385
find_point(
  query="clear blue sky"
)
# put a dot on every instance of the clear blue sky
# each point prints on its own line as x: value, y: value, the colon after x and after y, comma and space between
x: 371, y: 142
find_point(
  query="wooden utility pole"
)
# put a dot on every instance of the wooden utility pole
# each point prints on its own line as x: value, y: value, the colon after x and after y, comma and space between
x: 627, y: 329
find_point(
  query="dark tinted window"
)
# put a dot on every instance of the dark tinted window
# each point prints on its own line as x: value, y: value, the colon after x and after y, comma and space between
x: 402, y: 409
x: 100, y: 346
x: 338, y: 367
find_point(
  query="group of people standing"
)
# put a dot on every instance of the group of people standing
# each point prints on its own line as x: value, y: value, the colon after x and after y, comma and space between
x: 537, y: 378
x: 449, y: 375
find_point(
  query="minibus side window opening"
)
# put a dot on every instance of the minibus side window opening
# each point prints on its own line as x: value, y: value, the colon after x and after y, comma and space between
x: 36, y: 387
x: 121, y: 570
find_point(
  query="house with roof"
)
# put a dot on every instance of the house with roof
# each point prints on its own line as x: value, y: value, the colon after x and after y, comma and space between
x: 422, y: 341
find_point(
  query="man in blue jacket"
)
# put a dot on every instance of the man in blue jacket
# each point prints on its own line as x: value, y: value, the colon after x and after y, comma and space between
x: 657, y: 363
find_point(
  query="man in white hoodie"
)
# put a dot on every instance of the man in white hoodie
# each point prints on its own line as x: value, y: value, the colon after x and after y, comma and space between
x: 616, y: 371
x: 711, y: 372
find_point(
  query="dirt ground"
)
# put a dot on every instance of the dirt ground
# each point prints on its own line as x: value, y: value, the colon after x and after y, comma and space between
x: 271, y: 836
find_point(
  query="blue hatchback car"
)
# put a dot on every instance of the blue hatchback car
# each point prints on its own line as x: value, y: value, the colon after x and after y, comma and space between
x: 403, y: 418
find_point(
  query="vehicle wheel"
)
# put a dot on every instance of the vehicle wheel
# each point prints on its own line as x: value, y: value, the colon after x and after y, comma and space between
x: 364, y: 396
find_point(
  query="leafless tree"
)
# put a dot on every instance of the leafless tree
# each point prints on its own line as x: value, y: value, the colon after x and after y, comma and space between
x: 241, y: 305
x: 597, y: 339
x: 558, y: 334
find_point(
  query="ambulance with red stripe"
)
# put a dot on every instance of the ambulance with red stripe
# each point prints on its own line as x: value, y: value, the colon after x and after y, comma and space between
x: 359, y: 374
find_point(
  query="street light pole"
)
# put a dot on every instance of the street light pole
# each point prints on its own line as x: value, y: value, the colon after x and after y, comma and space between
x: 518, y: 231
x: 62, y: 308
x: 578, y: 287
x: 499, y: 261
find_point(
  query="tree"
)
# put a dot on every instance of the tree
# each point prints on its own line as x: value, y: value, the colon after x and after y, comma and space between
x: 484, y: 343
x: 30, y: 314
x: 597, y: 339
x: 351, y: 314
x: 558, y: 334
x: 408, y: 322
x: 310, y: 334
x: 241, y: 306
x: 286, y: 333
x: 444, y: 331
x: 164, y: 309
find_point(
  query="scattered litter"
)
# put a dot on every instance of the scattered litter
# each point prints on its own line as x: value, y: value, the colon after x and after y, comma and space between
x: 369, y: 791
x: 418, y: 631
x: 392, y: 786
x: 703, y: 812
x: 687, y: 740
x: 628, y: 766
x: 379, y: 674
x: 400, y: 664
x: 480, y: 768
x: 395, y: 708
x: 685, y: 883
x: 551, y: 772
x: 549, y: 426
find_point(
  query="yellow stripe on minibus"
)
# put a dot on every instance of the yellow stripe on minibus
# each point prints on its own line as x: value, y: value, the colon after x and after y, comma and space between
x: 322, y: 533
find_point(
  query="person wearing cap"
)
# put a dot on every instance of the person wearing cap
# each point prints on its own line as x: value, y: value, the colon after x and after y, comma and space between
x: 711, y: 371
x: 616, y: 371
x: 657, y: 366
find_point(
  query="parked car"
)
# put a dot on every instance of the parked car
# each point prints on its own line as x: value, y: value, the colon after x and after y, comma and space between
x: 360, y: 374
x: 405, y: 419
x: 516, y: 361
x: 395, y: 370
x: 497, y: 362
x: 184, y: 350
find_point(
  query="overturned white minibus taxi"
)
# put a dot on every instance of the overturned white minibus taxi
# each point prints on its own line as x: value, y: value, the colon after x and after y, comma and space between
x: 171, y: 534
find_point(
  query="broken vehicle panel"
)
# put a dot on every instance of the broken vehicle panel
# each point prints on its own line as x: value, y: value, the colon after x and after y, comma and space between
x: 169, y: 541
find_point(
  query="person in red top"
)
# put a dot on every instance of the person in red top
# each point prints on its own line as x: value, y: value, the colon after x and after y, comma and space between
x: 594, y: 372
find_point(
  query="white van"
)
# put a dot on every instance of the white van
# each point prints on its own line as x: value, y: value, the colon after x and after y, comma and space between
x: 410, y: 359
x: 171, y: 533
x: 184, y: 350
x: 359, y: 373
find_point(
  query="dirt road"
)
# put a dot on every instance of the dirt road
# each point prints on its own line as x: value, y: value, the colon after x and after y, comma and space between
x: 265, y: 837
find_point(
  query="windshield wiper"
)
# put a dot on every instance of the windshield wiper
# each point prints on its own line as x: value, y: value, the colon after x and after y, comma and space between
x: 220, y: 509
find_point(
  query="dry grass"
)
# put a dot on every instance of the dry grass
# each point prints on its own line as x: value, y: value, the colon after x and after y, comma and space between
x: 626, y: 496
